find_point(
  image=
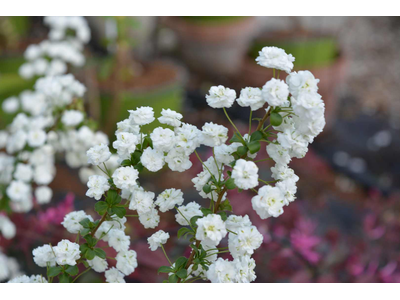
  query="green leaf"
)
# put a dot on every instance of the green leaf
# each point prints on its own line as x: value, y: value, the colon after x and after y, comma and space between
x: 236, y: 139
x: 193, y: 221
x: 139, y: 167
x: 180, y: 262
x: 276, y: 119
x: 223, y: 215
x: 85, y: 223
x: 85, y: 263
x: 183, y: 231
x: 147, y: 142
x: 230, y: 184
x: 64, y: 278
x: 173, y: 278
x: 207, y: 188
x: 84, y: 248
x: 206, y: 211
x: 164, y: 269
x: 119, y: 211
x: 91, y: 241
x: 101, y: 207
x: 256, y: 136
x: 113, y: 198
x: 84, y: 231
x: 53, y: 271
x: 225, y: 205
x: 72, y: 270
x: 182, y: 273
x: 100, y: 253
x: 242, y: 150
x: 90, y: 254
x: 126, y: 163
x: 135, y: 157
x: 254, y: 146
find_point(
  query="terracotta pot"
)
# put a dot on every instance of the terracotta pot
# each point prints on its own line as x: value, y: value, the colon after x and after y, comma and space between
x: 215, y: 48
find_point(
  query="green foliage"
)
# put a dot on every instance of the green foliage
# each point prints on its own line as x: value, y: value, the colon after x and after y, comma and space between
x: 100, y: 253
x: 230, y: 184
x: 225, y: 206
x: 276, y: 119
x: 193, y: 221
x: 65, y: 278
x: 54, y: 271
x: 72, y: 270
x: 101, y: 207
x: 254, y: 146
x: 206, y: 211
x: 242, y: 150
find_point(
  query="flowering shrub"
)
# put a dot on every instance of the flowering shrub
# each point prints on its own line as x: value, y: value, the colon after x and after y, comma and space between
x: 294, y: 116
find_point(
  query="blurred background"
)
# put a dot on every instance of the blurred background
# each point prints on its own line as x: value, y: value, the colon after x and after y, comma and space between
x: 344, y: 225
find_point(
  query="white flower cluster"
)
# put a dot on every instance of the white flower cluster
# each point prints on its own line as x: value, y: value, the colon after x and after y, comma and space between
x: 9, y: 267
x: 51, y: 57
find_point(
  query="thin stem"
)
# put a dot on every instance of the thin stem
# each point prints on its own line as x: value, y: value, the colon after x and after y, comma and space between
x: 165, y: 253
x: 81, y: 274
x: 184, y: 217
x: 108, y: 172
x: 265, y: 159
x: 274, y: 72
x: 98, y: 225
x: 203, y: 163
x: 103, y: 171
x: 251, y: 115
x: 231, y: 231
x: 263, y: 120
x: 226, y: 114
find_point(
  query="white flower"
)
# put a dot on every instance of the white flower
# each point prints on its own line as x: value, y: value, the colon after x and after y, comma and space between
x: 127, y: 261
x: 98, y: 154
x: 214, y: 134
x: 67, y: 253
x: 288, y: 188
x: 150, y: 219
x: 72, y: 118
x: 18, y: 191
x: 44, y: 174
x: 233, y: 223
x: 186, y: 212
x: 222, y: 271
x: 219, y: 97
x: 169, y: 198
x: 114, y: 276
x: 16, y: 141
x: 223, y: 154
x: 10, y: 105
x: 3, y: 138
x: 43, y: 194
x: 278, y: 153
x: 142, y: 201
x: 157, y: 239
x: 141, y: 116
x: 211, y: 229
x: 126, y: 126
x: 245, y: 269
x: 36, y: 138
x: 245, y: 241
x: 170, y: 117
x: 71, y: 221
x: 97, y: 185
x: 276, y: 92
x: 163, y: 139
x: 245, y: 174
x: 125, y: 178
x: 269, y: 202
x: 282, y: 172
x: 187, y: 138
x: 98, y: 264
x: 7, y: 228
x: 23, y: 172
x: 118, y: 240
x: 152, y: 159
x: 251, y: 97
x: 275, y: 58
x: 26, y: 279
x: 302, y: 82
x: 125, y: 144
x: 44, y: 255
x: 177, y: 160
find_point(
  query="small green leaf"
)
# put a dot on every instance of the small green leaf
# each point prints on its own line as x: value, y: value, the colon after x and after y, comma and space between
x: 113, y: 198
x: 193, y: 221
x: 64, y: 278
x: 207, y: 188
x: 84, y: 231
x: 230, y: 184
x: 173, y: 278
x: 223, y: 215
x: 225, y: 205
x: 164, y: 269
x: 242, y: 150
x: 182, y: 273
x: 254, y: 146
x: 276, y: 119
x: 91, y: 241
x: 90, y: 254
x: 206, y: 211
x: 256, y: 136
x: 53, y: 271
x: 236, y: 138
x: 72, y: 270
x: 183, y: 231
x: 100, y: 253
x: 139, y: 167
x: 101, y: 207
x: 126, y: 163
x: 135, y: 157
x: 180, y: 262
x: 119, y: 211
x: 85, y: 223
